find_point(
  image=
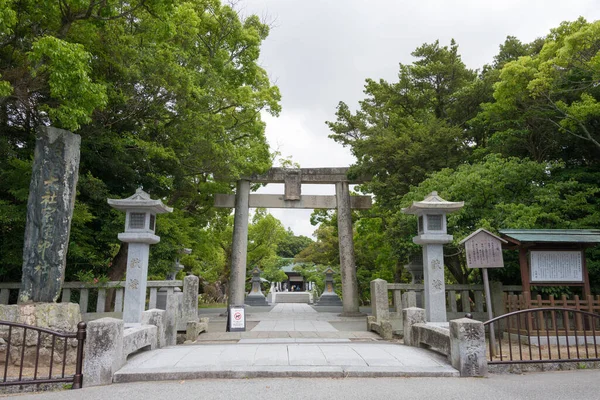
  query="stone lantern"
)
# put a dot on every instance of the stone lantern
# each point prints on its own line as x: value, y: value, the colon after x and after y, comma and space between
x: 140, y: 223
x: 415, y: 267
x: 432, y: 229
x: 256, y: 296
x: 329, y: 296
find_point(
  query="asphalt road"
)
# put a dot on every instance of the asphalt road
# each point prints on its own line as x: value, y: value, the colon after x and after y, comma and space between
x: 580, y: 384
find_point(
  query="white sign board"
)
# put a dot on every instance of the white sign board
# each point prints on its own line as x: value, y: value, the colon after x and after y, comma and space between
x: 556, y: 266
x: 237, y: 319
x: 483, y: 250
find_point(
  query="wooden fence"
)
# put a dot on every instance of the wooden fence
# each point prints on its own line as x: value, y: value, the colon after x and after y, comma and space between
x: 460, y: 299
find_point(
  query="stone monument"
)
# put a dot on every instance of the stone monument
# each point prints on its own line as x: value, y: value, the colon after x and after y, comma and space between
x: 49, y: 213
x: 329, y: 296
x: 140, y: 221
x: 256, y: 296
x: 432, y: 229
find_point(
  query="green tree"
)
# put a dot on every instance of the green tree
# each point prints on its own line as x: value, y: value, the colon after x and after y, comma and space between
x: 291, y: 245
x: 166, y: 94
x: 505, y: 193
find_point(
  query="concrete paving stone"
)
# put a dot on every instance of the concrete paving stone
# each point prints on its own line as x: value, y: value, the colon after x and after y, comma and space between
x: 342, y: 355
x: 279, y: 335
x: 271, y: 355
x: 238, y: 354
x: 151, y: 358
x: 264, y: 326
x: 411, y: 356
x: 377, y: 357
x: 202, y: 356
x: 309, y: 334
x: 323, y: 326
x: 304, y: 325
x: 306, y: 355
x: 329, y: 335
x: 285, y: 325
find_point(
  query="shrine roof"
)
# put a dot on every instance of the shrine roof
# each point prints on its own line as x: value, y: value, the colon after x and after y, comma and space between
x: 551, y: 235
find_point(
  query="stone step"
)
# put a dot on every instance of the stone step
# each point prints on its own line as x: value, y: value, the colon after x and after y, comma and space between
x: 291, y: 297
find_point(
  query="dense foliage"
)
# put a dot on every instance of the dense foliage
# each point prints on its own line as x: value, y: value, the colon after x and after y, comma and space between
x: 166, y: 94
x: 516, y: 140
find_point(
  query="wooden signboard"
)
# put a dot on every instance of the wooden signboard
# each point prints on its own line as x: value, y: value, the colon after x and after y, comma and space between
x: 560, y: 266
x: 483, y: 250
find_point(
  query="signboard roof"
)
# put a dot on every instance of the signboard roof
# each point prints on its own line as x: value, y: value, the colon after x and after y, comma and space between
x: 552, y: 235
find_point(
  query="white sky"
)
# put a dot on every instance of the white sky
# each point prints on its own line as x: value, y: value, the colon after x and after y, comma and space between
x: 320, y: 52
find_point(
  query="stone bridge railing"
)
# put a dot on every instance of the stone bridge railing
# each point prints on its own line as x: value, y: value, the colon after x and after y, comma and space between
x: 460, y: 299
x: 389, y: 299
x: 82, y: 292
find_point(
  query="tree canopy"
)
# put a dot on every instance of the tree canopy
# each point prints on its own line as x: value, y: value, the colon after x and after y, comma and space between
x: 516, y: 140
x: 166, y: 94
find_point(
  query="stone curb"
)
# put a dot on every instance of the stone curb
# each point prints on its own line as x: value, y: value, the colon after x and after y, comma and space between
x: 296, y: 372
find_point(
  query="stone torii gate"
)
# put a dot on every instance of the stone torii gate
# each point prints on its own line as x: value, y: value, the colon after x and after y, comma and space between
x: 293, y: 198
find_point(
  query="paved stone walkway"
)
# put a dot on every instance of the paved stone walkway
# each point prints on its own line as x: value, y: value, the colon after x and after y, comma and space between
x: 308, y: 346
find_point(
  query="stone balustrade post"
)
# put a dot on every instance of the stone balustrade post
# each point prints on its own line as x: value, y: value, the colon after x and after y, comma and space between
x: 171, y: 319
x: 410, y: 317
x: 103, y: 351
x: 467, y: 347
x: 189, y: 311
x: 409, y: 299
x: 380, y: 307
x: 156, y: 317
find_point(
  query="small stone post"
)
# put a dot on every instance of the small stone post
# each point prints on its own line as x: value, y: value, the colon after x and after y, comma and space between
x: 189, y: 312
x: 380, y: 307
x: 49, y: 214
x: 103, y: 351
x: 346, y: 244
x: 467, y: 347
x: 410, y: 317
x: 156, y: 317
x: 239, y: 246
x: 431, y: 213
x: 140, y: 220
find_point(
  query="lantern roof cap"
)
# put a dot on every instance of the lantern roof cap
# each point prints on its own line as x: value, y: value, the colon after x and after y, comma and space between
x: 140, y: 200
x: 433, y: 202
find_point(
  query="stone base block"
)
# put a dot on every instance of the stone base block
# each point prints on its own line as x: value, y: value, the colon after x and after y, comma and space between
x: 256, y: 300
x: 60, y: 317
x: 383, y: 328
x: 195, y: 328
x: 138, y: 338
x: 467, y: 342
x: 103, y: 351
x: 328, y: 299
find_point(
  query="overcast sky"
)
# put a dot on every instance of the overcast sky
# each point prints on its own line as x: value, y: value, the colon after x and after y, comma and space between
x: 320, y: 52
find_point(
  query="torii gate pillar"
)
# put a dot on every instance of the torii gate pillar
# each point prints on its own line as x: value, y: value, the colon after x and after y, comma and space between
x: 346, y: 243
x: 239, y: 245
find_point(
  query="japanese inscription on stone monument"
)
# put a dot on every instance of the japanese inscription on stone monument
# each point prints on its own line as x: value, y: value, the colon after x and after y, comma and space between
x: 49, y: 213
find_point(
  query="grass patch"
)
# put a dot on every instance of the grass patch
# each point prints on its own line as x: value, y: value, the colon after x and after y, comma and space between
x: 212, y: 305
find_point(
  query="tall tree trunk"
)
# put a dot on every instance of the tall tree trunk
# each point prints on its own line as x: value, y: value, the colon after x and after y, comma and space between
x: 116, y: 273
